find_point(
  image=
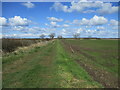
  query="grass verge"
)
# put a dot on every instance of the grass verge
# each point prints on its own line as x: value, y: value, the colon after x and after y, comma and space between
x: 71, y: 74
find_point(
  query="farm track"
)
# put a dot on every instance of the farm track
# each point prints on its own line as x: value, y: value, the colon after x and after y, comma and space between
x: 99, y: 75
x: 26, y: 70
x: 55, y: 65
x: 48, y: 66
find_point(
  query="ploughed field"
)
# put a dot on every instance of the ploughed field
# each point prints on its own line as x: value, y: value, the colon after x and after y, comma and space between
x: 64, y: 63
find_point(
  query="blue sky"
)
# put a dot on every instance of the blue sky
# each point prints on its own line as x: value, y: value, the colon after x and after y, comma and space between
x: 31, y: 19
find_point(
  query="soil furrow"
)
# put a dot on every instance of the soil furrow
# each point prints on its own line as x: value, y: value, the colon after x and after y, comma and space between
x: 99, y: 75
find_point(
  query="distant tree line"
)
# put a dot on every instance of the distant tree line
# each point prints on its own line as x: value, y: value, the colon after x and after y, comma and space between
x: 52, y: 35
x: 76, y: 35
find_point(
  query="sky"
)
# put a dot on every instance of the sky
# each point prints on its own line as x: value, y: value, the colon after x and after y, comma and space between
x: 32, y: 19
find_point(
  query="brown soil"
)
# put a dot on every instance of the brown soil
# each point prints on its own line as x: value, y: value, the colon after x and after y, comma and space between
x: 77, y: 49
x: 101, y: 76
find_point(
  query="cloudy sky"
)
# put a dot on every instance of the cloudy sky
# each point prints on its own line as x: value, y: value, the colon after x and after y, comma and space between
x: 31, y: 19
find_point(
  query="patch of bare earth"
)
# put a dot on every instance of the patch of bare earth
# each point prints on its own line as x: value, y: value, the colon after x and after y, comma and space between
x: 101, y: 76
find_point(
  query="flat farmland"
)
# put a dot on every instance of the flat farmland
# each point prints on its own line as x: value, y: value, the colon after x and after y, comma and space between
x: 64, y: 63
x: 98, y: 57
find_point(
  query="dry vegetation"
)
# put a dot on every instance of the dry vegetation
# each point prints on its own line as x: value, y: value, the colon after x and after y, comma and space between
x: 10, y: 45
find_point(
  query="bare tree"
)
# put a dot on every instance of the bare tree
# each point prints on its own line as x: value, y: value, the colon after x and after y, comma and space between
x: 42, y: 36
x: 60, y: 37
x: 76, y: 35
x: 90, y: 36
x: 52, y: 35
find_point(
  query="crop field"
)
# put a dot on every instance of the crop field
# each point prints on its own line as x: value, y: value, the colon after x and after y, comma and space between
x: 63, y: 63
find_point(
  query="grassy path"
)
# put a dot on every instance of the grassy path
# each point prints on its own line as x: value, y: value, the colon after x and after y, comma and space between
x: 48, y: 66
x: 33, y: 70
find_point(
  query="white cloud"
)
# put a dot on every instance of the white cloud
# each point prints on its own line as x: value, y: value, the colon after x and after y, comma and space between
x: 59, y: 7
x: 90, y: 32
x: 100, y: 28
x: 79, y: 30
x: 22, y: 35
x: 77, y: 22
x: 89, y: 11
x: 63, y: 32
x: 85, y: 7
x: 65, y: 25
x: 87, y: 26
x: 85, y: 21
x: 18, y: 21
x: 54, y: 24
x: 46, y: 24
x: 54, y: 19
x: 29, y: 35
x: 67, y: 21
x: 96, y: 20
x: 9, y: 35
x: 115, y: 28
x: 23, y: 29
x: 33, y: 29
x: 113, y: 22
x: 107, y: 8
x: 19, y: 28
x: 28, y: 4
x: 3, y: 21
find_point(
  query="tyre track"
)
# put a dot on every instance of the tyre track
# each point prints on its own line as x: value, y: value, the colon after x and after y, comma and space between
x: 99, y: 75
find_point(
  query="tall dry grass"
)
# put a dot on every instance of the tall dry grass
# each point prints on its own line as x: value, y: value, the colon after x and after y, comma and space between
x: 9, y: 45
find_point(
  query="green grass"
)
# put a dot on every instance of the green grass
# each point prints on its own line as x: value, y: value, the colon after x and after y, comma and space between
x: 31, y: 71
x: 53, y: 66
x: 105, y: 53
x: 44, y: 67
x: 73, y: 76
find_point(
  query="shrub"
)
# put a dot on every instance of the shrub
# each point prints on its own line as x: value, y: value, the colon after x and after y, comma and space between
x: 9, y: 45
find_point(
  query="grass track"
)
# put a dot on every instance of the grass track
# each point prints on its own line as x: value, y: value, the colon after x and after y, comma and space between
x: 33, y: 70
